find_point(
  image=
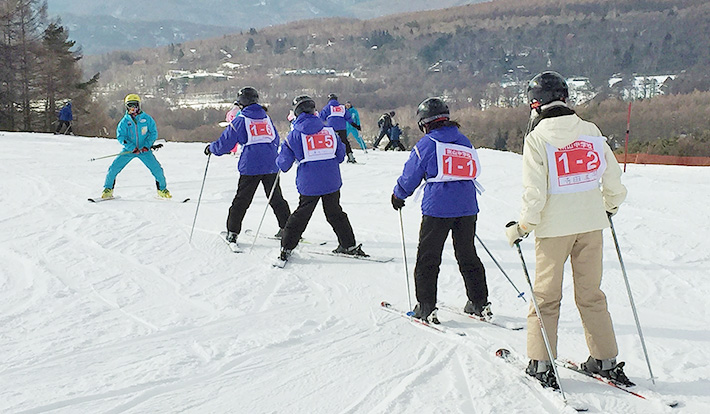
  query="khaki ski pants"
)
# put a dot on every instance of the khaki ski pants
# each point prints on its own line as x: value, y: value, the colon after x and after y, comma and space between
x: 585, y: 252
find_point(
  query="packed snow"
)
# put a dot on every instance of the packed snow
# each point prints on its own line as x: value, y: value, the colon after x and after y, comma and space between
x: 108, y: 308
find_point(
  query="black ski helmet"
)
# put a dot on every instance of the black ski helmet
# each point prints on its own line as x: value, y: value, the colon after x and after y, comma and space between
x: 546, y: 87
x: 431, y: 109
x: 332, y: 96
x: 247, y: 96
x: 303, y: 103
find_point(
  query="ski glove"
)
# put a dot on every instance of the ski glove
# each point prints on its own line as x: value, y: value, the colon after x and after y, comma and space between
x: 136, y: 151
x: 207, y: 150
x: 145, y: 149
x: 397, y: 203
x: 356, y: 126
x: 612, y: 211
x: 515, y: 232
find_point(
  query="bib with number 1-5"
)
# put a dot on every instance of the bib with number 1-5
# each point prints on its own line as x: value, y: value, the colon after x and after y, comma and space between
x: 319, y: 146
x: 455, y: 162
x: 577, y: 167
x: 259, y: 131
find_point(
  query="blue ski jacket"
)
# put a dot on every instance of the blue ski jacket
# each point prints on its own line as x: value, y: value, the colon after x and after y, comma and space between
x: 441, y: 199
x: 65, y: 113
x: 136, y: 133
x: 355, y: 115
x: 313, y: 178
x: 331, y: 118
x: 256, y: 158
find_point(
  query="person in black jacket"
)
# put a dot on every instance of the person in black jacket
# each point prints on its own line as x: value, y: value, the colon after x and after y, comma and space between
x: 384, y: 123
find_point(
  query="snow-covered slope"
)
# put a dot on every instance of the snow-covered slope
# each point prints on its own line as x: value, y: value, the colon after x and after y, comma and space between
x: 106, y: 308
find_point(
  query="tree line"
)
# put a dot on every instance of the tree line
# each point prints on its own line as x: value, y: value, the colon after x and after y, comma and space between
x: 39, y: 70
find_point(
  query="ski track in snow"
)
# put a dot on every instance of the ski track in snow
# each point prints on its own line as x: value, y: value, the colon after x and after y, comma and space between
x: 107, y: 307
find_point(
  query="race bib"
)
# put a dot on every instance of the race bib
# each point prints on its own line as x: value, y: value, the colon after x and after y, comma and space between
x: 337, y: 110
x: 319, y: 146
x: 577, y: 167
x: 455, y: 162
x: 259, y: 131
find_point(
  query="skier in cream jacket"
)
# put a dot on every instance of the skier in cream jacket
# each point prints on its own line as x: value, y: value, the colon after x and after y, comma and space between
x: 571, y: 186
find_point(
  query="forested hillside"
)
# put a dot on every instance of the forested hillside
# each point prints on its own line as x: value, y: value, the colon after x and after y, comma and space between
x: 472, y: 55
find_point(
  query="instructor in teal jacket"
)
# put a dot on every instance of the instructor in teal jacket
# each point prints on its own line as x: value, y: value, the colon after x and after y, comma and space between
x: 137, y: 133
x: 351, y: 129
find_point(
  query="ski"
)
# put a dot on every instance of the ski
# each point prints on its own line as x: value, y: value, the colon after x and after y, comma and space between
x: 279, y: 263
x: 234, y: 247
x: 172, y: 199
x: 499, y: 321
x: 386, y: 306
x: 634, y: 390
x: 99, y: 199
x: 365, y: 258
x: 304, y: 241
x: 520, y: 367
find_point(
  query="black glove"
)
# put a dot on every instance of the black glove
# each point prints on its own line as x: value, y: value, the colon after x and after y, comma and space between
x: 356, y: 126
x: 207, y: 150
x: 397, y: 203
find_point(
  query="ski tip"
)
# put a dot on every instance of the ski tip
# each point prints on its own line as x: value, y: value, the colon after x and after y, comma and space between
x: 385, y: 304
x: 185, y: 200
x: 92, y: 200
x: 502, y: 353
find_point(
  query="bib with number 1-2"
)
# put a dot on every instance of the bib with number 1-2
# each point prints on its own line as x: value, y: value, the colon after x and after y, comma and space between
x: 259, y: 131
x: 319, y: 146
x: 455, y: 162
x: 577, y: 167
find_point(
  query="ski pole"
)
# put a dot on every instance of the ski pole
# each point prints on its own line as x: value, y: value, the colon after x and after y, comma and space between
x: 539, y: 318
x: 404, y: 256
x: 271, y: 194
x: 199, y: 199
x: 109, y: 156
x: 520, y: 294
x: 153, y: 148
x: 631, y: 300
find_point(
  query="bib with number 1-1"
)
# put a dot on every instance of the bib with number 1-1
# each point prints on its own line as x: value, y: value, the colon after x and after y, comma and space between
x: 259, y: 131
x: 337, y: 110
x: 455, y: 162
x: 577, y: 167
x: 319, y: 146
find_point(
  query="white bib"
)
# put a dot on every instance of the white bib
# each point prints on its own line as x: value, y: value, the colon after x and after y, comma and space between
x: 338, y: 110
x: 319, y: 146
x: 577, y: 167
x: 259, y: 131
x: 455, y: 162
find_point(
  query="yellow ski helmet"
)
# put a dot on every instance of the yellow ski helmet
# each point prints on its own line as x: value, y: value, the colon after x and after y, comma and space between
x: 132, y: 97
x: 132, y: 101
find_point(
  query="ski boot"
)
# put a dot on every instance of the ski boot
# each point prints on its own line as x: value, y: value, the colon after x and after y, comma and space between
x: 544, y: 372
x: 351, y: 251
x: 426, y: 312
x: 107, y: 193
x: 607, y: 368
x: 164, y: 194
x: 285, y: 254
x: 482, y: 310
x: 351, y: 158
x: 231, y: 237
